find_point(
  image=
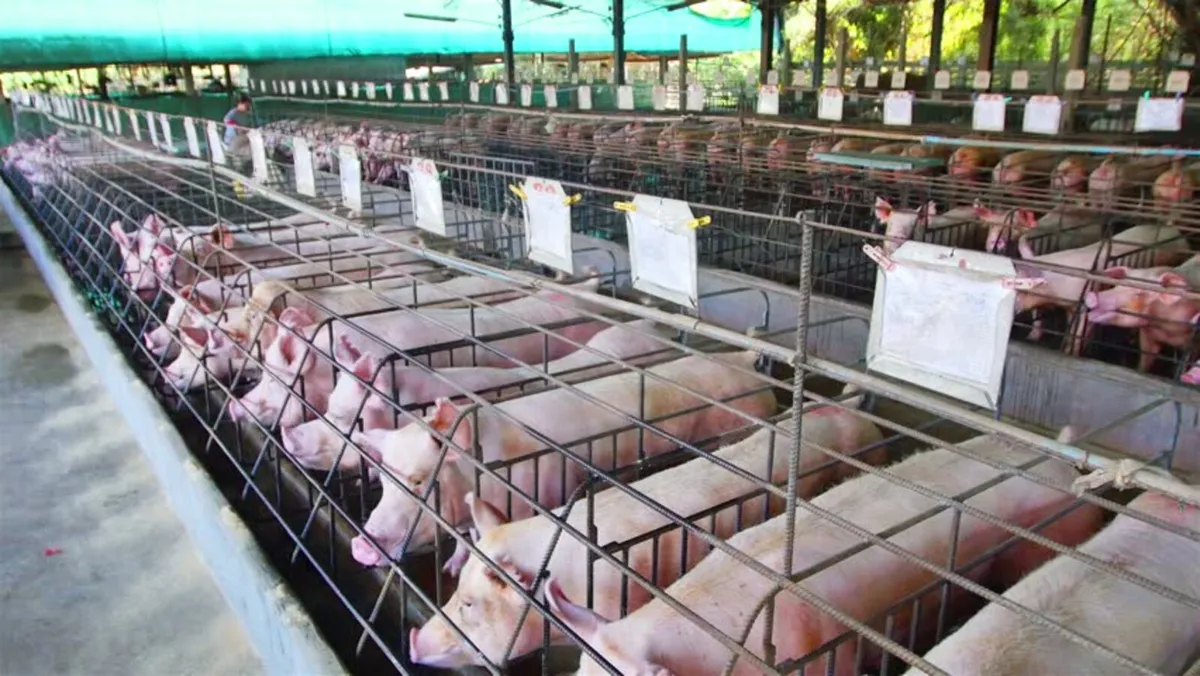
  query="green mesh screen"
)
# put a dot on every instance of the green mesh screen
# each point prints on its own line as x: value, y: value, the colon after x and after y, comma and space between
x: 35, y: 34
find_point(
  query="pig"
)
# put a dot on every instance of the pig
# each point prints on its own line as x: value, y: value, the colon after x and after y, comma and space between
x: 959, y: 227
x: 203, y: 298
x: 1159, y: 244
x: 1115, y: 178
x: 1061, y: 228
x: 1156, y: 632
x: 1192, y: 375
x: 291, y: 355
x: 967, y: 162
x: 1175, y: 185
x: 1071, y: 174
x: 1024, y: 168
x: 316, y: 445
x: 730, y: 595
x: 411, y: 454
x: 486, y: 610
x: 1160, y: 318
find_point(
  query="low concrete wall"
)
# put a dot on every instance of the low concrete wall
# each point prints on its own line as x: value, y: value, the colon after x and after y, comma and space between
x: 276, y: 624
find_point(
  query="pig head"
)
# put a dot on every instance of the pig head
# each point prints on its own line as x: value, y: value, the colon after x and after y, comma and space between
x: 294, y: 370
x: 1161, y: 317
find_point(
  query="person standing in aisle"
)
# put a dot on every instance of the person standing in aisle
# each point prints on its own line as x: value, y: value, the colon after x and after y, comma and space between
x: 238, y: 121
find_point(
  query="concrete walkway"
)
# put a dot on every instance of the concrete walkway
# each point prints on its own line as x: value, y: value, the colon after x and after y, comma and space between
x: 127, y: 594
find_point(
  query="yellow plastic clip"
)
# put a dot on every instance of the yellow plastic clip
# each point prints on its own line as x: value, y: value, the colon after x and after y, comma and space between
x: 624, y: 206
x: 518, y: 192
x: 699, y: 222
x: 573, y: 199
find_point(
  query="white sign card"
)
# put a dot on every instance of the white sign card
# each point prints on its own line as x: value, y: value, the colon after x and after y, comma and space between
x: 526, y: 95
x: 871, y: 79
x: 1020, y: 80
x: 625, y: 97
x: 1043, y: 115
x: 423, y: 91
x: 444, y: 90
x: 116, y: 119
x: 291, y: 88
x: 773, y: 77
x: 304, y: 87
x: 316, y: 87
x: 325, y: 87
x: 370, y: 87
x: 695, y: 97
x: 1160, y: 114
x: 988, y: 113
x: 550, y: 93
x: 1177, y: 82
x: 898, y: 108
x: 662, y: 249
x: 193, y: 141
x: 502, y: 94
x: 830, y: 104
x: 1119, y: 80
x: 983, y: 79
x: 768, y: 100
x: 302, y: 160
x: 1188, y: 60
x: 387, y: 89
x: 262, y: 86
x: 899, y: 79
x: 585, y: 97
x: 133, y: 122
x: 941, y: 80
x: 1076, y: 80
x: 354, y: 90
x: 168, y: 142
x: 258, y: 155
x: 941, y: 320
x: 341, y: 89
x: 658, y: 97
x: 473, y: 92
x: 547, y: 224
x: 215, y: 149
x: 97, y: 117
x: 350, y: 175
x: 428, y: 204
x: 408, y: 92
x: 802, y: 79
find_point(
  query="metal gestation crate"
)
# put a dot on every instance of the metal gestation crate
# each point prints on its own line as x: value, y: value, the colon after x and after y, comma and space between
x: 939, y: 545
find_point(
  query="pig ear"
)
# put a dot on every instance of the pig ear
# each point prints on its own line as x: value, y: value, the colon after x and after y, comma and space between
x: 365, y: 367
x: 444, y: 415
x: 883, y: 209
x: 118, y: 233
x: 152, y: 224
x: 487, y: 518
x: 195, y: 334
x: 1026, y: 218
x: 930, y: 209
x: 295, y: 317
x: 581, y: 620
x: 1119, y: 272
x: 1171, y: 280
x: 345, y: 351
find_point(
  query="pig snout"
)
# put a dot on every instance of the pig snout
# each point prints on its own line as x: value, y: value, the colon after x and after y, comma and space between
x: 433, y: 645
x: 159, y: 341
x: 366, y: 553
x: 1192, y: 377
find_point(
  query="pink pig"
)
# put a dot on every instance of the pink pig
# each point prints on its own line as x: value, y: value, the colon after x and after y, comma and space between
x: 730, y: 595
x: 488, y: 611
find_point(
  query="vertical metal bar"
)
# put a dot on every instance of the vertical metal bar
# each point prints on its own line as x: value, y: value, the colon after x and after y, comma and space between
x: 988, y: 32
x: 572, y: 59
x: 1081, y: 41
x: 902, y: 54
x: 1055, y: 55
x: 1104, y: 54
x: 843, y: 54
x: 662, y: 69
x: 683, y: 72
x: 819, y: 45
x: 618, y: 19
x: 510, y: 67
x: 935, y: 38
x: 766, y: 39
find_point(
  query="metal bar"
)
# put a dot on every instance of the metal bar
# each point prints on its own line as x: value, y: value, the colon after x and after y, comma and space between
x: 935, y: 39
x: 819, y: 44
x: 618, y: 23
x: 989, y: 29
x: 766, y: 40
x: 683, y: 73
x: 510, y: 65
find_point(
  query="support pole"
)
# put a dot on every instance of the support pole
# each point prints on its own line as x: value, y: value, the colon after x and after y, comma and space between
x: 189, y: 81
x: 572, y: 60
x: 1055, y: 55
x: 766, y: 41
x: 1081, y: 41
x: 662, y: 69
x: 468, y: 67
x: 902, y: 53
x: 819, y: 45
x: 228, y: 84
x: 618, y: 9
x: 1104, y: 54
x: 683, y: 72
x: 935, y: 38
x: 510, y: 66
x: 988, y: 31
x: 843, y: 53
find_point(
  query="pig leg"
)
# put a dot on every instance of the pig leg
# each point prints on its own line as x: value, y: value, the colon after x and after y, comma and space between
x: 1148, y: 349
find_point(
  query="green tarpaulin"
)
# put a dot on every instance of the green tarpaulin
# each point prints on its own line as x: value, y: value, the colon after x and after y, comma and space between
x: 40, y: 34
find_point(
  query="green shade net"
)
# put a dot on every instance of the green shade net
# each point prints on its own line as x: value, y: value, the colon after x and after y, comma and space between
x: 41, y: 35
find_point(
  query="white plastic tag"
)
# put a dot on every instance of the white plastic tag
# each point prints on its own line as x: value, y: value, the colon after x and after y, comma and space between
x: 585, y: 97
x: 899, y: 79
x: 354, y: 89
x: 258, y: 155
x: 501, y: 94
x: 304, y: 87
x: 444, y: 90
x: 1160, y: 114
x: 387, y: 90
x: 983, y: 79
x: 658, y: 97
x: 428, y: 205
x: 370, y: 87
x: 898, y: 108
x: 662, y: 249
x: 768, y: 100
x: 1076, y: 80
x: 695, y: 97
x: 291, y: 87
x: 1119, y: 80
x: 316, y: 88
x: 625, y: 97
x: 97, y: 117
x: 526, y: 95
x: 830, y: 105
x: 871, y: 79
x: 262, y: 86
x: 116, y: 120
x: 306, y: 179
x: 773, y: 77
x: 133, y: 122
x: 941, y: 80
x: 193, y: 141
x: 350, y: 170
x: 1020, y: 80
x: 1188, y: 60
x: 473, y: 92
x: 550, y: 92
x: 802, y: 78
x: 1043, y: 115
x: 215, y: 149
x: 325, y: 86
x: 988, y: 114
x: 423, y: 91
x: 548, y: 224
x: 1177, y: 82
x: 341, y: 89
x: 168, y: 142
x: 408, y: 92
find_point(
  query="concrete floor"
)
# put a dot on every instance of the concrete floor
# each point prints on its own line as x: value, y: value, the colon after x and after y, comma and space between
x: 127, y: 594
